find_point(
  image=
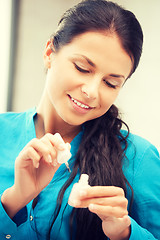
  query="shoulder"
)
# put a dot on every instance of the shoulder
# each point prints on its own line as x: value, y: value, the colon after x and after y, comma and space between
x: 138, y: 145
x: 13, y: 118
x: 142, y: 170
x: 9, y: 118
x: 142, y: 161
x: 141, y: 156
x: 12, y: 124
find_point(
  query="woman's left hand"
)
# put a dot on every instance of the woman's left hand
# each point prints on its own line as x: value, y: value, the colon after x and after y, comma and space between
x: 110, y: 204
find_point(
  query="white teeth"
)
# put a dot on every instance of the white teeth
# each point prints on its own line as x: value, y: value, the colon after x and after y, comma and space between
x: 79, y: 104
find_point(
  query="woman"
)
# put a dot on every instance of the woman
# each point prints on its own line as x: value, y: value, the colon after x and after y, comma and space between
x: 96, y: 48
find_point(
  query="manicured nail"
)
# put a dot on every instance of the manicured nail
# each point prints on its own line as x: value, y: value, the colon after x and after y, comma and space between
x: 49, y: 158
x: 54, y: 163
x: 37, y: 165
x: 61, y: 146
x: 91, y: 206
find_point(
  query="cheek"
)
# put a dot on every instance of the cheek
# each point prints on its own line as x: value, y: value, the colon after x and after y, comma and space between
x: 54, y: 81
x: 63, y: 80
x: 108, y: 97
x: 106, y: 102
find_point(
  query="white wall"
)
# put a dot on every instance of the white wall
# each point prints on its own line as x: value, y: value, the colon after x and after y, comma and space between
x: 139, y: 100
x: 5, y: 28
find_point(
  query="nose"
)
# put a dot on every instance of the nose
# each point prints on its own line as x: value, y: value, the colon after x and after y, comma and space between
x: 91, y: 89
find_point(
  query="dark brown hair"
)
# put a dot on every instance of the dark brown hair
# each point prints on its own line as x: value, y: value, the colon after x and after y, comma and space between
x: 102, y: 149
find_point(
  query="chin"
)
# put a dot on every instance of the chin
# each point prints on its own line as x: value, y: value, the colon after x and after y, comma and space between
x: 73, y: 121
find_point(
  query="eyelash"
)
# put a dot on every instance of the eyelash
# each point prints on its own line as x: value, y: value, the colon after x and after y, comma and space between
x: 87, y: 71
x: 81, y: 69
x: 109, y: 84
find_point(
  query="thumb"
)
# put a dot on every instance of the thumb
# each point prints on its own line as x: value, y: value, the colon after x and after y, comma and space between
x: 68, y: 146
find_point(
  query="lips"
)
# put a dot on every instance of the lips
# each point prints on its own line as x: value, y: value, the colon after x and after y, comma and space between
x: 80, y: 106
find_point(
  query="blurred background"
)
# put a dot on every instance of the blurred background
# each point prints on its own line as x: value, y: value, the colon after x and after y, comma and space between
x: 25, y: 27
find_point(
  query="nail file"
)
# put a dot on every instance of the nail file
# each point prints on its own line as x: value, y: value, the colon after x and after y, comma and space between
x: 64, y: 155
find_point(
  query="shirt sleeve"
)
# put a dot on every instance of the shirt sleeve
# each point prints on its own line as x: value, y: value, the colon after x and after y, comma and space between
x: 9, y: 228
x: 138, y: 232
x: 145, y: 223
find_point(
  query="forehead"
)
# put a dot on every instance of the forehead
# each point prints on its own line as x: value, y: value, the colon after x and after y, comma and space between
x: 103, y: 49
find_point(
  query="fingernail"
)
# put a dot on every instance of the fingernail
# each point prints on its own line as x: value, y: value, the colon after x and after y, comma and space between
x: 55, y: 163
x: 37, y: 165
x: 49, y: 158
x: 91, y: 206
x: 61, y: 146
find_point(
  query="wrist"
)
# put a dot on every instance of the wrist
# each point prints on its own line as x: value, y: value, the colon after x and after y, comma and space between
x: 125, y: 235
x: 12, y: 202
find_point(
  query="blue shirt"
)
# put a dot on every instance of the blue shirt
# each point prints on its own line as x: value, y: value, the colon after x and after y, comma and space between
x: 142, y: 170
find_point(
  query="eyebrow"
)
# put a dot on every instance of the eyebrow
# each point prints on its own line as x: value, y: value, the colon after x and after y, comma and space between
x: 87, y: 59
x: 94, y: 65
x: 116, y: 76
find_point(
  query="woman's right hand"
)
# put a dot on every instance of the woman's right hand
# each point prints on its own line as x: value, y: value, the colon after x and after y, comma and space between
x: 34, y: 169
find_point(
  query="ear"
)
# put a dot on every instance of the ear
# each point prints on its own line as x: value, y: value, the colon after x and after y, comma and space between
x: 49, y: 49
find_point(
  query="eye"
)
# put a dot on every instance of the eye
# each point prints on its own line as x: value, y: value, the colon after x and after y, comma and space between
x: 110, y: 84
x: 80, y: 69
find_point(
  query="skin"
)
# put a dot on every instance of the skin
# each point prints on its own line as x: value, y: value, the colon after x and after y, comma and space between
x: 91, y: 69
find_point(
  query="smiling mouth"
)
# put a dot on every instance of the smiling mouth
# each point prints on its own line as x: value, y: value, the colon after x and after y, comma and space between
x: 79, y: 104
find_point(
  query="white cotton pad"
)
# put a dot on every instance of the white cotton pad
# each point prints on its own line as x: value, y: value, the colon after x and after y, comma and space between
x: 74, y: 195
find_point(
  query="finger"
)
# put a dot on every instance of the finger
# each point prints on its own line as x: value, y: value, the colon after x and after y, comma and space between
x: 53, y: 152
x: 56, y: 140
x: 68, y: 146
x: 106, y: 201
x: 112, y: 201
x: 101, y: 191
x: 26, y: 156
x: 108, y: 211
x: 43, y: 148
x: 57, y: 143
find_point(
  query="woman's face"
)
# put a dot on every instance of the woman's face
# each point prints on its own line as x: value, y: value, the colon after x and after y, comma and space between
x: 86, y: 75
